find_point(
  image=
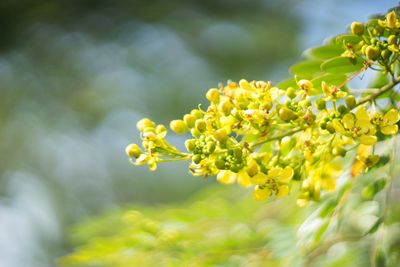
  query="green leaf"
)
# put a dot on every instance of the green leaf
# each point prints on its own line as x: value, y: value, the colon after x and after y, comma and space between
x: 374, y: 188
x: 306, y: 68
x: 374, y: 227
x: 348, y: 39
x: 342, y: 65
x: 325, y: 52
x: 291, y: 82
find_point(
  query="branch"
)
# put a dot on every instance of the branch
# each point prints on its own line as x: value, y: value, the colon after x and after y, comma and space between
x: 379, y: 92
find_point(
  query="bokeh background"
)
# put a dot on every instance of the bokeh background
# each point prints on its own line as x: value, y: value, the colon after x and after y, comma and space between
x: 75, y: 76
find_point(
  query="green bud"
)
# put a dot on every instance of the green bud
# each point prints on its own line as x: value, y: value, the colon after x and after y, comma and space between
x: 220, y: 164
x: 286, y: 114
x: 291, y: 92
x: 190, y: 145
x: 330, y: 128
x: 201, y: 125
x: 210, y: 147
x: 350, y: 101
x: 372, y: 52
x: 342, y: 109
x: 323, y: 125
x: 178, y: 126
x: 195, y: 133
x: 321, y: 104
x: 357, y: 28
x: 339, y: 151
x: 252, y: 168
x: 196, y: 158
x: 235, y: 168
x: 238, y: 152
x: 386, y: 54
x: 133, y: 150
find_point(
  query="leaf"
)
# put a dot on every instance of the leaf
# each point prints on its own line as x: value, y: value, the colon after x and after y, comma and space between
x: 341, y: 65
x: 374, y: 188
x: 291, y: 82
x: 348, y: 39
x: 374, y: 227
x: 307, y: 67
x: 325, y: 52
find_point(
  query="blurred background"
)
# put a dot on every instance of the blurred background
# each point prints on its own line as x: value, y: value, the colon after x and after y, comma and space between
x: 75, y: 76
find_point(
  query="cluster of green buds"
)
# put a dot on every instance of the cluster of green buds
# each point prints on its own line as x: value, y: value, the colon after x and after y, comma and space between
x: 269, y: 138
x: 379, y: 40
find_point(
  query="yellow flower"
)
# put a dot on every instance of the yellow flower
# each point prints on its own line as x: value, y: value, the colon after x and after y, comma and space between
x: 229, y: 177
x: 358, y: 126
x: 388, y: 125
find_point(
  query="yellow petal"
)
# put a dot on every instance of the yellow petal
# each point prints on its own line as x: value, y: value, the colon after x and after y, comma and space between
x: 243, y: 179
x: 367, y: 139
x: 259, y: 178
x: 338, y: 126
x: 361, y: 114
x: 226, y: 177
x: 329, y: 184
x: 274, y: 173
x: 348, y: 121
x: 286, y: 174
x: 261, y: 194
x: 391, y: 117
x: 283, y: 191
x: 390, y: 129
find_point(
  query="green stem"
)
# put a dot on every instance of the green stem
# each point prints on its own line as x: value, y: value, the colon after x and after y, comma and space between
x: 278, y: 137
x: 379, y: 92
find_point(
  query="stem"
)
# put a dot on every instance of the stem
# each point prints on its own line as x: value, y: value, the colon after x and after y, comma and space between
x: 278, y: 137
x: 379, y: 92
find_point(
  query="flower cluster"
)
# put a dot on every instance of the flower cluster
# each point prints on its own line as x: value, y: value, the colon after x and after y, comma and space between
x: 271, y: 138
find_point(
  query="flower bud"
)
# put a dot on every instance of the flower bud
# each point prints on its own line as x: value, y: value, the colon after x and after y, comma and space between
x: 321, y: 104
x: 339, y: 151
x: 190, y: 145
x: 357, y: 28
x: 245, y: 84
x: 306, y: 85
x: 226, y: 107
x: 178, y: 126
x: 201, y: 125
x: 350, y: 101
x: 392, y: 39
x: 196, y: 158
x: 291, y: 92
x: 133, y: 150
x: 190, y: 120
x: 197, y: 113
x: 144, y: 123
x: 252, y: 168
x: 342, y: 109
x: 372, y: 52
x: 220, y: 134
x: 391, y: 19
x: 220, y: 164
x: 286, y: 114
x: 210, y: 147
x: 213, y: 95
